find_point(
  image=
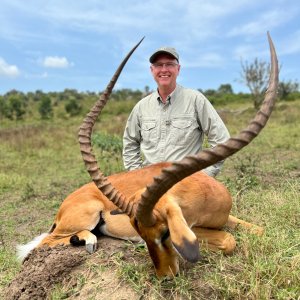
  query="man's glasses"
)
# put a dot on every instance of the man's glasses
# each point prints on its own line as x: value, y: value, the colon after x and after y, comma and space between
x: 168, y: 65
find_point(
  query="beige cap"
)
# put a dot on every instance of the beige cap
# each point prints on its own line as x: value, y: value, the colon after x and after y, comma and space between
x: 164, y: 50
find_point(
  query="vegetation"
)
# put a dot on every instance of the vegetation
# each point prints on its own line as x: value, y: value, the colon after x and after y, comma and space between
x: 45, y: 108
x: 287, y: 89
x: 15, y: 105
x: 255, y: 76
x: 41, y: 164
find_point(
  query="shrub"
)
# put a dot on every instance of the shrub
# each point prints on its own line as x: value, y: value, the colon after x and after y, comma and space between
x: 45, y: 108
x: 73, y: 108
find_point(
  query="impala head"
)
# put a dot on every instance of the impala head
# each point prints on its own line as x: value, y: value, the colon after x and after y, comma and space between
x: 168, y: 238
x: 166, y: 233
x: 161, y: 223
x: 159, y: 244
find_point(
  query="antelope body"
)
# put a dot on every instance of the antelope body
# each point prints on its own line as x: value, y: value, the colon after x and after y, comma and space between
x: 171, y: 206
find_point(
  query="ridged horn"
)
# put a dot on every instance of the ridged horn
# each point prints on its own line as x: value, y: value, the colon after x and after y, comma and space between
x: 84, y: 137
x: 191, y: 164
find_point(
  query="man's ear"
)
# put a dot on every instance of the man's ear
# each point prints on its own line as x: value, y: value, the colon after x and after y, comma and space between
x: 183, y: 238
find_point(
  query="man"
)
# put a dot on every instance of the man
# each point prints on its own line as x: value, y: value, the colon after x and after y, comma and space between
x: 170, y: 123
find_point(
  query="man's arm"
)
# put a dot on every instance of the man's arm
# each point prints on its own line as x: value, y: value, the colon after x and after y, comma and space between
x: 214, y: 128
x: 131, y: 142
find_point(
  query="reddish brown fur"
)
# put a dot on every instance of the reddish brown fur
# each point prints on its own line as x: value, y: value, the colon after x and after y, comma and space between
x: 198, y: 201
x: 81, y: 209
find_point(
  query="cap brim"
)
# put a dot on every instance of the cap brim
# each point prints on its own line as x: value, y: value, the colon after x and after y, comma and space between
x: 154, y: 55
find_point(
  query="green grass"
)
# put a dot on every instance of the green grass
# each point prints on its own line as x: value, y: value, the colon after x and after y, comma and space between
x: 41, y: 164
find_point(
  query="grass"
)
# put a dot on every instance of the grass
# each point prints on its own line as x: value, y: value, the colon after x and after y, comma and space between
x: 41, y: 164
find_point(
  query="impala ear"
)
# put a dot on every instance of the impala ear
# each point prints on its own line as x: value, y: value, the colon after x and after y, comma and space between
x: 183, y: 238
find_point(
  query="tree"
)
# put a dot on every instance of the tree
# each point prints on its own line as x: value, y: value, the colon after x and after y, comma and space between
x: 3, y: 107
x: 38, y: 95
x: 146, y: 90
x: 287, y: 88
x: 72, y: 107
x: 208, y: 92
x: 45, y: 107
x: 225, y: 89
x: 255, y: 76
x: 15, y: 106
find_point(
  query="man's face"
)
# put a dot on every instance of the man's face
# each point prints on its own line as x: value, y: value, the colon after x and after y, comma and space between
x: 165, y: 70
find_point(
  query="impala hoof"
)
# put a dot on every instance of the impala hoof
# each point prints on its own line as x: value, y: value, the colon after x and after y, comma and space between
x: 91, y: 248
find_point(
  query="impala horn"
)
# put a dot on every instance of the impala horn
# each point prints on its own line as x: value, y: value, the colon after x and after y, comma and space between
x: 84, y: 137
x: 191, y: 164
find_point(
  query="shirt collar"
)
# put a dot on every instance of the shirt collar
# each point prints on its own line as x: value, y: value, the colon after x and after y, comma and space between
x: 170, y: 98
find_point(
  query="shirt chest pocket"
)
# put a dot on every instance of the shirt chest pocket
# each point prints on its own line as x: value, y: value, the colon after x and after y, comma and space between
x: 182, y: 131
x: 149, y: 132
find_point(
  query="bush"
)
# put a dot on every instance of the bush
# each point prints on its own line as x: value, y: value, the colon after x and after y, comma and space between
x: 45, y: 108
x: 110, y: 147
x: 73, y: 108
x: 109, y: 143
x: 15, y: 107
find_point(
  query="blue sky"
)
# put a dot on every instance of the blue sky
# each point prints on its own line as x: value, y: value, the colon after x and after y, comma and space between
x: 57, y: 44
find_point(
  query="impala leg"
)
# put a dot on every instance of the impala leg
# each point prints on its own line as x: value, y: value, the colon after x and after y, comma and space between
x: 84, y: 237
x: 234, y: 222
x: 119, y: 226
x: 215, y: 240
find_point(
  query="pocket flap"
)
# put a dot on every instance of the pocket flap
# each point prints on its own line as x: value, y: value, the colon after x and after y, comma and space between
x: 181, y: 124
x: 148, y: 125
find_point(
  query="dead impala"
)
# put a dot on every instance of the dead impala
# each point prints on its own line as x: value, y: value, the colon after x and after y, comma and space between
x: 171, y: 206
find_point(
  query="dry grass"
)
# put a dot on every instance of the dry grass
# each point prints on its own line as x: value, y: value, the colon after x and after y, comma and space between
x: 41, y: 164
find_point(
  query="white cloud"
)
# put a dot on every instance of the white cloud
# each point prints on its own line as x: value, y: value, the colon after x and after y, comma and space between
x: 56, y: 62
x: 7, y: 70
x: 208, y: 34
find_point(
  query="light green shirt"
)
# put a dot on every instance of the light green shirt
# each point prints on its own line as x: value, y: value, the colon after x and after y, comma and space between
x: 158, y: 132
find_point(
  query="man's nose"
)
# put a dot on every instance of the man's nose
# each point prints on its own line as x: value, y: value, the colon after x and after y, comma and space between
x: 164, y: 67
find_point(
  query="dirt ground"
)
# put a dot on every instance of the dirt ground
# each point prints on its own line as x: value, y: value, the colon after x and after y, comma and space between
x: 46, y: 267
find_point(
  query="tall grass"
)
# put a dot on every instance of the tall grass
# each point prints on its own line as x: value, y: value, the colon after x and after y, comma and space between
x: 40, y: 164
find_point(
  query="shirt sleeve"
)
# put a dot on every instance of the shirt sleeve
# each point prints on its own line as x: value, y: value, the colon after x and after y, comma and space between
x: 131, y: 142
x: 213, y: 127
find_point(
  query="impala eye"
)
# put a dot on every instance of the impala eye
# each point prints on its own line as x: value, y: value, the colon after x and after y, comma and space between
x: 136, y: 223
x: 165, y: 235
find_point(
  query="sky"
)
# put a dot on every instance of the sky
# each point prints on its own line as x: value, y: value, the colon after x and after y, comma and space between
x: 53, y: 45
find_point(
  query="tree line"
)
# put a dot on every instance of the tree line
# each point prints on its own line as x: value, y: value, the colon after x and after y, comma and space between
x: 15, y: 104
